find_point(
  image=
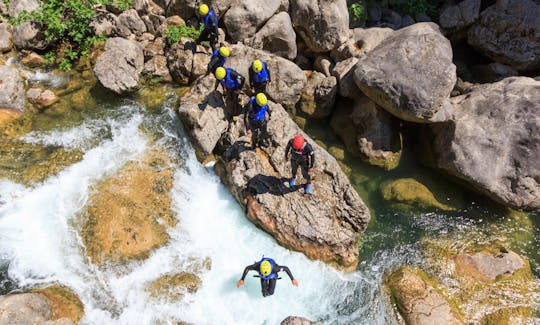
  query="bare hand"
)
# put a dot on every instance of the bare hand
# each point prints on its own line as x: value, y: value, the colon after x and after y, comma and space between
x: 295, y: 282
x: 241, y: 283
x: 248, y: 131
x: 310, y: 170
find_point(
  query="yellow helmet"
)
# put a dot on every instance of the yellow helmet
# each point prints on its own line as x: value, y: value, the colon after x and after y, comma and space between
x: 261, y: 99
x: 224, y: 51
x: 203, y: 10
x: 220, y: 73
x: 257, y: 66
x: 265, y: 268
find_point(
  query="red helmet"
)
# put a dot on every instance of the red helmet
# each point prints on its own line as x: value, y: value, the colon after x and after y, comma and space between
x: 298, y: 142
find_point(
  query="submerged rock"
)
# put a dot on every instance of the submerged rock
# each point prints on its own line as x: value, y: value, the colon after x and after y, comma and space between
x: 488, y: 266
x: 41, y: 98
x: 296, y: 320
x: 174, y: 286
x: 409, y: 191
x: 127, y: 217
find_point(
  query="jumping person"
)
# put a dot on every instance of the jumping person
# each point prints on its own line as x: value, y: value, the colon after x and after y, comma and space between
x: 210, y: 21
x: 218, y: 59
x: 268, y: 273
x: 302, y: 156
x: 255, y: 120
x: 259, y: 76
x: 232, y: 83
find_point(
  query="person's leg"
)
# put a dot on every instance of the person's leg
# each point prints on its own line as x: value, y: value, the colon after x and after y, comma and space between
x: 305, y: 172
x: 264, y: 133
x: 294, y: 167
x: 264, y: 287
x: 272, y: 286
x: 213, y: 39
x: 203, y: 36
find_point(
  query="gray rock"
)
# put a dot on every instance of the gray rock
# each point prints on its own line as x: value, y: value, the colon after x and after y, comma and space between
x: 26, y: 308
x: 245, y: 17
x: 322, y: 24
x: 360, y: 43
x: 422, y: 17
x: 119, y: 67
x: 509, y: 33
x: 407, y: 21
x: 374, y: 12
x: 187, y: 61
x: 104, y: 24
x: 495, y: 120
x: 3, y: 10
x: 30, y: 36
x: 295, y: 320
x: 319, y: 95
x: 145, y: 7
x: 6, y: 43
x: 277, y: 36
x: 188, y: 8
x: 156, y: 67
x: 157, y: 47
x: 129, y: 23
x: 41, y: 98
x: 410, y: 73
x: 18, y: 6
x: 367, y: 132
x: 344, y: 73
x: 458, y: 16
x: 487, y: 266
x: 11, y: 89
x: 288, y: 79
x: 324, y: 65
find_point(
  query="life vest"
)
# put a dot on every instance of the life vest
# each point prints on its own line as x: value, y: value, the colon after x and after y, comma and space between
x: 257, y: 112
x: 229, y: 83
x: 272, y: 274
x: 210, y: 21
x: 262, y: 76
x: 221, y: 61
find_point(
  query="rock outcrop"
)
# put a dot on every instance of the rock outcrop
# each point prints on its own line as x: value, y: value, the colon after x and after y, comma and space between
x: 277, y: 36
x: 174, y: 286
x: 11, y: 89
x: 187, y: 61
x: 129, y: 23
x: 508, y: 32
x: 410, y: 73
x: 6, y: 39
x: 119, y: 67
x: 418, y: 301
x: 456, y: 17
x: 244, y: 18
x: 296, y: 320
x: 319, y: 95
x: 325, y: 225
x: 488, y: 266
x: 495, y: 120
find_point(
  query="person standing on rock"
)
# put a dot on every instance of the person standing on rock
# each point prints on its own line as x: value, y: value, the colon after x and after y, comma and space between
x: 218, y: 59
x: 232, y: 83
x: 210, y: 21
x: 303, y: 156
x: 259, y: 77
x: 255, y: 120
x: 268, y: 273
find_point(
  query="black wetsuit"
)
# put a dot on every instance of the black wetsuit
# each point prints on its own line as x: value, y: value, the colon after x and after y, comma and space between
x: 256, y: 121
x: 232, y: 85
x: 259, y: 86
x: 210, y: 32
x: 303, y: 158
x: 268, y: 286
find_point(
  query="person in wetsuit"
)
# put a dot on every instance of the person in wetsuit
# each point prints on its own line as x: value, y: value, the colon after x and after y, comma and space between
x: 302, y: 156
x: 210, y: 21
x: 259, y: 76
x: 218, y: 59
x: 268, y: 273
x: 256, y: 117
x: 232, y: 83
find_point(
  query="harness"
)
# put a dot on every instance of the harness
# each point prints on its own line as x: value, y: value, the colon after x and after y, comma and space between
x: 272, y: 274
x: 210, y: 21
x: 228, y: 83
x: 262, y: 76
x: 258, y: 112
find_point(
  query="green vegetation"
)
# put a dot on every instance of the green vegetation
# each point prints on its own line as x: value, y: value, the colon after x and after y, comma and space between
x: 357, y: 12
x: 173, y: 34
x: 122, y: 5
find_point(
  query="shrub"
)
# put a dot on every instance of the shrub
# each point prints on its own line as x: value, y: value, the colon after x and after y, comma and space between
x: 174, y: 33
x: 357, y: 12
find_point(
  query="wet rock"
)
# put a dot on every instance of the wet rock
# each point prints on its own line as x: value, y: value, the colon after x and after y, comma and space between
x: 410, y: 192
x: 344, y: 73
x: 288, y: 79
x: 493, y: 72
x: 127, y: 217
x: 494, y: 120
x: 129, y: 23
x: 6, y: 43
x: 245, y: 17
x: 41, y: 98
x: 322, y: 24
x: 418, y: 301
x: 118, y: 68
x: 319, y: 95
x: 157, y: 68
x: 324, y: 65
x: 187, y: 61
x: 486, y: 266
x: 507, y: 32
x: 104, y: 24
x: 8, y: 115
x: 296, y: 320
x: 367, y: 132
x: 174, y: 286
x: 455, y: 17
x: 410, y: 73
x: 64, y: 303
x: 277, y: 36
x: 11, y: 89
x: 33, y: 60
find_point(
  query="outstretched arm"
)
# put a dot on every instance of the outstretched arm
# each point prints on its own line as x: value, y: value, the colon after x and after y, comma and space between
x: 287, y: 149
x: 248, y: 268
x: 286, y: 269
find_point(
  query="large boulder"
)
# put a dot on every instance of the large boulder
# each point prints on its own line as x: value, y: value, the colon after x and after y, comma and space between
x: 410, y: 73
x: 187, y: 61
x: 245, y: 17
x: 458, y: 16
x: 277, y: 36
x: 495, y: 120
x: 129, y: 23
x: 104, y: 24
x: 11, y: 89
x: 119, y: 67
x: 319, y: 95
x: 360, y: 43
x: 6, y: 43
x: 18, y: 6
x: 509, y: 32
x: 344, y: 73
x: 325, y: 225
x: 418, y: 301
x: 322, y: 24
x: 188, y: 8
x: 288, y: 80
x: 488, y: 266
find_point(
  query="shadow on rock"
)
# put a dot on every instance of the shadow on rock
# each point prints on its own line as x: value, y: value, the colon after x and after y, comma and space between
x: 261, y: 184
x: 214, y: 99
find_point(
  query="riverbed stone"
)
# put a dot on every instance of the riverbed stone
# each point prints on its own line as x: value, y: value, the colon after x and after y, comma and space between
x: 319, y: 95
x: 174, y: 286
x: 488, y: 266
x: 410, y: 73
x: 245, y: 17
x: 418, y: 301
x: 156, y: 69
x: 322, y: 24
x: 6, y: 39
x: 277, y: 36
x: 33, y: 60
x: 41, y: 98
x: 11, y: 89
x: 297, y: 320
x: 127, y: 218
x: 494, y: 120
x: 119, y: 67
x: 508, y: 32
x: 410, y: 192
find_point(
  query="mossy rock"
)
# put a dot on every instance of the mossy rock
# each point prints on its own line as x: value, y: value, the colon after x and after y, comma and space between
x: 153, y: 98
x: 174, y: 286
x: 63, y: 302
x: 509, y: 316
x: 300, y: 121
x: 408, y: 192
x: 388, y: 161
x: 126, y: 219
x: 337, y: 152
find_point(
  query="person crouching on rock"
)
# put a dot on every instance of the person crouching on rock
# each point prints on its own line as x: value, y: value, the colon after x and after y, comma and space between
x: 255, y: 120
x: 268, y: 273
x: 259, y: 77
x: 232, y: 83
x: 218, y: 59
x: 302, y: 156
x: 210, y: 21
